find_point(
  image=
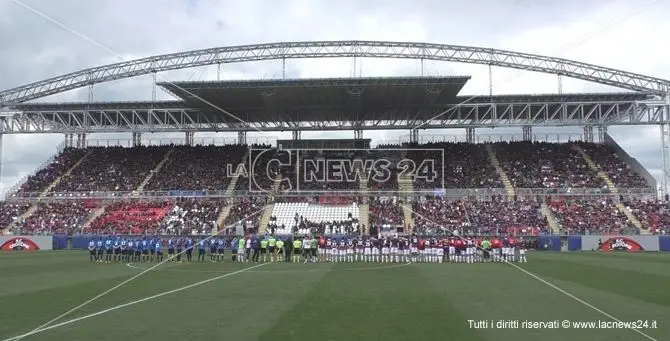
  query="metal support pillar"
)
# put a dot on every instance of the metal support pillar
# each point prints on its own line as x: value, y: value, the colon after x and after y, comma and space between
x: 588, y: 134
x: 218, y: 72
x: 153, y: 90
x: 491, y: 80
x: 665, y: 146
x: 602, y: 130
x: 528, y: 133
x: 137, y: 139
x: 189, y: 137
x: 470, y: 135
x: 1, y: 136
x: 414, y: 136
x: 358, y: 134
x: 70, y: 139
x: 296, y: 134
x: 81, y: 140
x: 242, y: 137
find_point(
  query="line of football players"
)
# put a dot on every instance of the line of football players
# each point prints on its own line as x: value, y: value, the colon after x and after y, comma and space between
x: 422, y: 250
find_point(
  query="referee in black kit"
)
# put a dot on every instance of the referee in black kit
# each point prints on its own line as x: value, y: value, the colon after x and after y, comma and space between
x: 255, y: 248
x: 288, y: 249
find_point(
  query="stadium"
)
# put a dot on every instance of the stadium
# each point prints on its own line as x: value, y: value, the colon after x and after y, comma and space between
x: 553, y: 199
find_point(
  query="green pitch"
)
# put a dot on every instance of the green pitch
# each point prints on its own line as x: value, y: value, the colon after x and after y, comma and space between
x: 342, y: 301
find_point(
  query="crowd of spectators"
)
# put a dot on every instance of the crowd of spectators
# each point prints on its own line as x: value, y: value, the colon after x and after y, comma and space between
x: 10, y: 212
x: 383, y: 179
x: 479, y: 217
x: 545, y: 165
x: 191, y: 216
x: 57, y: 217
x: 460, y: 165
x: 385, y: 212
x: 261, y: 170
x: 245, y: 212
x: 198, y: 168
x: 591, y: 217
x: 618, y: 171
x: 52, y: 171
x: 654, y: 215
x: 113, y: 169
x: 316, y: 173
x: 137, y: 217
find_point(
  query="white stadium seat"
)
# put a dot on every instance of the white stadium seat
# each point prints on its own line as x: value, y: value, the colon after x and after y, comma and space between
x: 285, y: 214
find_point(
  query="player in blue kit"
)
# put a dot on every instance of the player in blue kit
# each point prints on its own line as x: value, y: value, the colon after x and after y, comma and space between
x: 144, y: 244
x: 91, y: 251
x: 180, y: 247
x: 130, y: 251
x: 158, y: 244
x: 117, y: 249
x: 234, y: 244
x: 124, y: 249
x: 220, y: 249
x: 202, y: 247
x: 152, y: 250
x: 99, y: 250
x: 138, y: 250
x: 212, y: 249
x: 189, y: 249
x: 170, y: 249
x: 108, y: 249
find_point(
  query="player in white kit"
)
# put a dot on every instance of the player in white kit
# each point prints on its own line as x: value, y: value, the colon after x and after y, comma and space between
x: 368, y: 250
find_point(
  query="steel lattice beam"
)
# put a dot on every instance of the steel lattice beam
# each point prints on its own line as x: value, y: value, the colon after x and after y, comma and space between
x: 321, y: 49
x: 457, y: 116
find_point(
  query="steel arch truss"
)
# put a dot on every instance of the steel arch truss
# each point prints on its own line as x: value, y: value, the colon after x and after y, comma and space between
x: 173, y: 119
x: 321, y: 49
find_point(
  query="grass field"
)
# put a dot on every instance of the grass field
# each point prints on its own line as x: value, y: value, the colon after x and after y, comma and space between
x: 342, y: 301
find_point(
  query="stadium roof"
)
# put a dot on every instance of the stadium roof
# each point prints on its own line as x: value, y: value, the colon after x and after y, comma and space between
x: 296, y: 100
x: 318, y: 99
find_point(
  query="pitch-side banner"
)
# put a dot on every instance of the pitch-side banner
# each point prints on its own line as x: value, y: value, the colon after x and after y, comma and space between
x: 25, y: 243
x: 620, y: 243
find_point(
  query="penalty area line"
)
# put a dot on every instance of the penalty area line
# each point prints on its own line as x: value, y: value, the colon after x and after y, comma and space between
x: 149, y: 298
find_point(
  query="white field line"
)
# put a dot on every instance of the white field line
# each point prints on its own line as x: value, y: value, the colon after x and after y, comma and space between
x: 149, y: 298
x: 587, y: 304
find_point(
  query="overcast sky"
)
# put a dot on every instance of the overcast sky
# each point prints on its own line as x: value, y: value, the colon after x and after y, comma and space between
x: 627, y: 35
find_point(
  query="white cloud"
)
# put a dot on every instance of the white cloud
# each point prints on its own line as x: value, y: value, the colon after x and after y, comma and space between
x: 599, y: 32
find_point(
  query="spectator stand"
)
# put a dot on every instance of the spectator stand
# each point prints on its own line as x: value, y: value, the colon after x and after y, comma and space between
x: 305, y: 217
x: 386, y: 216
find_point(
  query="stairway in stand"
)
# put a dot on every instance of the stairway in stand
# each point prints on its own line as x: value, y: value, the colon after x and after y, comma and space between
x: 612, y: 187
x: 140, y: 188
x: 230, y: 190
x: 267, y: 209
x: 223, y: 214
x: 509, y: 188
x: 364, y: 208
x: 31, y: 210
x: 93, y: 216
x: 265, y: 218
x: 551, y: 219
x: 230, y: 197
x: 406, y: 187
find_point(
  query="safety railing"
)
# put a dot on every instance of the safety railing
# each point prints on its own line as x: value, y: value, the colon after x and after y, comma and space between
x: 449, y: 193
